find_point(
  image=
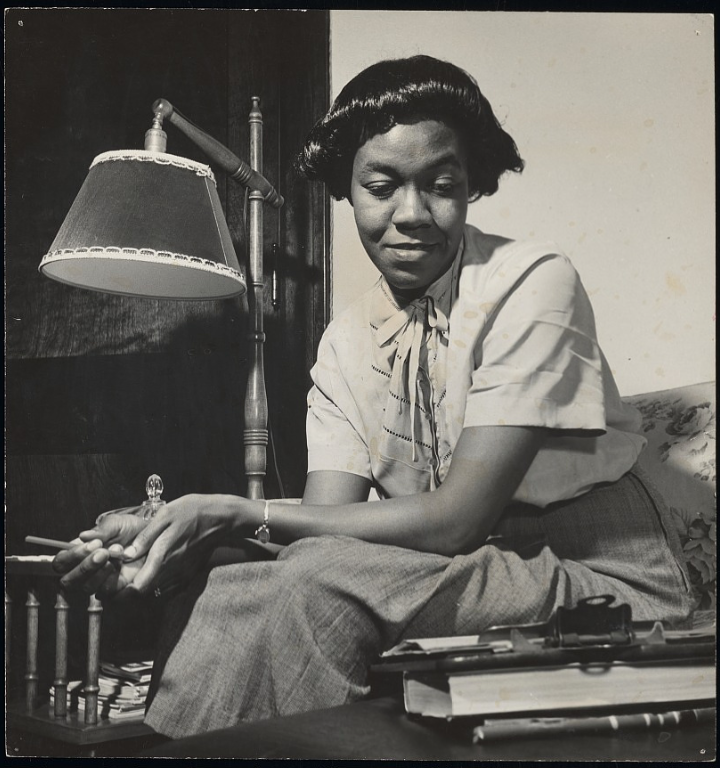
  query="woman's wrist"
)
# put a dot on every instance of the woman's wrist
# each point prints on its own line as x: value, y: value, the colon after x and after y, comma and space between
x: 237, y: 516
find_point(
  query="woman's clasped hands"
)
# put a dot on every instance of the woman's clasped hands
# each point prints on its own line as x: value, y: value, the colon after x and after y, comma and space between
x: 125, y: 556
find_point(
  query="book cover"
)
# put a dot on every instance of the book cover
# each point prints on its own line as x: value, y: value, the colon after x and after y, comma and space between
x: 570, y: 687
x: 134, y: 671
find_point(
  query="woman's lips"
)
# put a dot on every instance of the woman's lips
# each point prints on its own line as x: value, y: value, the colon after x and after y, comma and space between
x: 412, y: 247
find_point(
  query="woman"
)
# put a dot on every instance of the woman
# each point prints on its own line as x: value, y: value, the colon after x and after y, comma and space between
x: 467, y: 387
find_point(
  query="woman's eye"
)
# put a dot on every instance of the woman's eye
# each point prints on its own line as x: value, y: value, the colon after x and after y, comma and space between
x: 443, y: 187
x: 381, y: 191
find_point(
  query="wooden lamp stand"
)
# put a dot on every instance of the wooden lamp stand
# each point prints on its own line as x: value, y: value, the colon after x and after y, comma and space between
x: 261, y: 191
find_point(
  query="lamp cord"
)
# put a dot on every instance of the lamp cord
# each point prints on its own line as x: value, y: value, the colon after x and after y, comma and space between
x: 281, y: 488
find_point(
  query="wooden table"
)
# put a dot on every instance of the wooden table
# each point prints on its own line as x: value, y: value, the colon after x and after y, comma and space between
x: 379, y: 729
x: 30, y: 713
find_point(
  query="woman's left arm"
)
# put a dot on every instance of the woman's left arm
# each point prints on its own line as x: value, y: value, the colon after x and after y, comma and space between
x: 488, y: 464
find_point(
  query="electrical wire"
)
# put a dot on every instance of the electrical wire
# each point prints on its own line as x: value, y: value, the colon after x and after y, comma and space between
x: 281, y: 488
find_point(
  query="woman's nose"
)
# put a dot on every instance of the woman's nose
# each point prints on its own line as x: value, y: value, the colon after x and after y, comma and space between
x: 411, y: 210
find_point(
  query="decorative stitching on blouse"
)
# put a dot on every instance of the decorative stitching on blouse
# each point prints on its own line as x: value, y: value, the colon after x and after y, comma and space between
x: 406, y: 439
x: 380, y: 371
x: 406, y: 401
x: 389, y: 296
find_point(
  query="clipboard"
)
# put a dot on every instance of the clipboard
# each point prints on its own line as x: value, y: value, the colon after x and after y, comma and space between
x: 593, y: 632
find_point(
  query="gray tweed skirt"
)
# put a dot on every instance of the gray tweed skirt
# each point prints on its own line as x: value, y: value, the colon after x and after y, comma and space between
x: 264, y: 639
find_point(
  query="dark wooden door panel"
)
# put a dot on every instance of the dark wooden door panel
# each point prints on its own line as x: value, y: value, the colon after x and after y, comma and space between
x: 167, y: 403
x: 104, y: 390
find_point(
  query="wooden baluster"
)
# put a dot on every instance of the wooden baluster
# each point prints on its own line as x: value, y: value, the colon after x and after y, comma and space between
x: 93, y: 661
x: 61, y: 654
x: 256, y: 407
x: 31, y: 669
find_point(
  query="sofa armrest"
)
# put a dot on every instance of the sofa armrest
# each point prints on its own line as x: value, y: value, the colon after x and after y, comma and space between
x: 680, y: 459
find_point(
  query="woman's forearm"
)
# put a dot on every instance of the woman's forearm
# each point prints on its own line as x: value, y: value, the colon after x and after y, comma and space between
x: 414, y: 522
x: 457, y: 517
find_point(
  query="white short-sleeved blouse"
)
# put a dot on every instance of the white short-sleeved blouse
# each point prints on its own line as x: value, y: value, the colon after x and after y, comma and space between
x: 506, y: 336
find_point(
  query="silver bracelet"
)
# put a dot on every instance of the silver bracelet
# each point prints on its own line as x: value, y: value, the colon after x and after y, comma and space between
x: 263, y: 532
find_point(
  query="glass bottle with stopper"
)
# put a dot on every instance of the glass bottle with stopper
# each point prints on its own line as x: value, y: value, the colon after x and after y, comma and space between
x: 151, y: 505
x: 149, y: 508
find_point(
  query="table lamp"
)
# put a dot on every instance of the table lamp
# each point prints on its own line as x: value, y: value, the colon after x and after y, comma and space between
x: 147, y: 223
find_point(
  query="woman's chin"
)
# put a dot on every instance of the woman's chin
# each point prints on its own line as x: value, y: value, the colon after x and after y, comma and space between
x: 406, y: 291
x: 411, y: 286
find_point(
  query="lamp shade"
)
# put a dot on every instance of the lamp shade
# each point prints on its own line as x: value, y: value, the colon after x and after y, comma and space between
x: 147, y: 224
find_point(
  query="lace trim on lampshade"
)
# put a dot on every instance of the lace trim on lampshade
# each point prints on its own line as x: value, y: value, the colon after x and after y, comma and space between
x: 161, y: 158
x: 142, y: 254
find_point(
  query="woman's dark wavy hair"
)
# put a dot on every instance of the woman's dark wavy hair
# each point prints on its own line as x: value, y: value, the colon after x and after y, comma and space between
x: 402, y: 91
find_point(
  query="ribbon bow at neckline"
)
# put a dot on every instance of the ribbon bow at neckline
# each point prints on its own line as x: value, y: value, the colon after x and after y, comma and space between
x: 407, y: 327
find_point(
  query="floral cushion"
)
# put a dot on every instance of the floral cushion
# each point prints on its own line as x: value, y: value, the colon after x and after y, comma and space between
x: 679, y: 425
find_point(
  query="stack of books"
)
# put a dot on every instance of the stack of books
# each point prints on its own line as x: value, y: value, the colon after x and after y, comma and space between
x: 123, y: 690
x: 513, y: 677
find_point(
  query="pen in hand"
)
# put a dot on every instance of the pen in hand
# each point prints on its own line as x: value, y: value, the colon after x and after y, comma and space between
x: 57, y: 544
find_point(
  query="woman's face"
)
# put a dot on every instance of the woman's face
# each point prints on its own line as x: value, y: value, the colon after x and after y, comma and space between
x: 409, y: 192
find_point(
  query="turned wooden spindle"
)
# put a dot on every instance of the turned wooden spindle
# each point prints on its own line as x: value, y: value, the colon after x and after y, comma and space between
x: 60, y: 682
x: 256, y: 407
x: 31, y: 668
x: 93, y: 661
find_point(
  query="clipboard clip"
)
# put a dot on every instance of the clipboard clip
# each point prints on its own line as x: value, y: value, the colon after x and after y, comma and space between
x: 593, y: 622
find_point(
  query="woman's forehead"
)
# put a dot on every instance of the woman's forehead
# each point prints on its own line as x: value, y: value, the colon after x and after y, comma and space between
x: 427, y: 143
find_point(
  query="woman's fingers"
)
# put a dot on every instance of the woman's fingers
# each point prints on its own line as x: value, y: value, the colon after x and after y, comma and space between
x: 100, y: 573
x: 67, y: 559
x: 116, y: 550
x: 114, y: 585
x: 85, y: 575
x: 106, y: 569
x: 95, y: 565
x: 146, y: 538
x: 147, y: 575
x: 128, y: 570
x: 119, y: 529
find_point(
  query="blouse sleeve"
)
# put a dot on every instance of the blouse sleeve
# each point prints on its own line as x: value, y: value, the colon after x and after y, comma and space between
x: 334, y: 424
x: 537, y: 360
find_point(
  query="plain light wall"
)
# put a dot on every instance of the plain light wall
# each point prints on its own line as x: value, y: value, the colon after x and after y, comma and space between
x: 614, y: 116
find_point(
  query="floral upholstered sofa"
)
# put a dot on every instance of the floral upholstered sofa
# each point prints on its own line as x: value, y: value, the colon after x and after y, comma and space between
x: 680, y: 458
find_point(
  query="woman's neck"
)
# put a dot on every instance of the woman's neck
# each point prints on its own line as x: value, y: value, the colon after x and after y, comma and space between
x: 404, y: 296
